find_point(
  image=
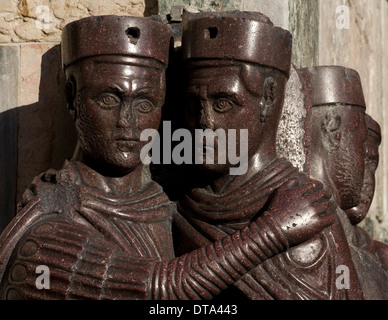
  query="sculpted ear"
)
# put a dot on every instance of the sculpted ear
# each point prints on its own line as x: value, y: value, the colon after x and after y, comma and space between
x: 331, y: 125
x: 267, y: 102
x: 70, y: 94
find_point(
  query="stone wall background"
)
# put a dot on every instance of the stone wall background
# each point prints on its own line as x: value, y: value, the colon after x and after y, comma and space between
x: 36, y: 132
x: 43, y: 20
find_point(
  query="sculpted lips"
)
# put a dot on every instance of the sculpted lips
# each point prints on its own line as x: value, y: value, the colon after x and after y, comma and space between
x: 126, y: 143
x: 212, y: 145
x: 209, y: 149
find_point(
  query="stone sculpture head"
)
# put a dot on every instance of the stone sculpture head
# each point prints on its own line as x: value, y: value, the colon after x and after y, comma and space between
x: 115, y: 70
x: 237, y: 66
x: 335, y: 130
x: 358, y: 213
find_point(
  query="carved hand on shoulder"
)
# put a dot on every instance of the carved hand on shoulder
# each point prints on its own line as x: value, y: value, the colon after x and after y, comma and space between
x: 35, y: 187
x: 302, y: 208
x: 53, y: 188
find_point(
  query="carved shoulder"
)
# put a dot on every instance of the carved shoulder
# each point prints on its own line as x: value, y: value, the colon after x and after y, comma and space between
x: 53, y: 187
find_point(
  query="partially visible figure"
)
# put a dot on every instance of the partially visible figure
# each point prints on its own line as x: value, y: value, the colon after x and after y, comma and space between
x: 103, y: 200
x: 101, y: 227
x: 335, y: 139
x: 335, y: 131
x: 358, y: 213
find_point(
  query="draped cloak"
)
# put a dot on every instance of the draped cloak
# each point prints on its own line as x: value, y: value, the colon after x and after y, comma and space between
x: 100, y: 245
x: 307, y: 271
x: 77, y: 228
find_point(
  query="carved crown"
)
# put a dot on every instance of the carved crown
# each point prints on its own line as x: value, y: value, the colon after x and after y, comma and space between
x: 333, y: 85
x: 115, y: 35
x: 242, y: 36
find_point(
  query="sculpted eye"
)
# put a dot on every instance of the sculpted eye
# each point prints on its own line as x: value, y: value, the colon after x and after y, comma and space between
x: 108, y: 100
x: 223, y: 105
x: 144, y: 106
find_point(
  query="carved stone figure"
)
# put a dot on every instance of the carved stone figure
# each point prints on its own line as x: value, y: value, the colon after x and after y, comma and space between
x: 359, y: 212
x: 100, y: 225
x: 237, y: 65
x: 336, y: 133
x: 115, y: 89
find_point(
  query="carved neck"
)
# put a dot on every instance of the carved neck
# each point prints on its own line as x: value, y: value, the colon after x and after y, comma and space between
x: 119, y: 185
x: 128, y: 183
x: 257, y: 163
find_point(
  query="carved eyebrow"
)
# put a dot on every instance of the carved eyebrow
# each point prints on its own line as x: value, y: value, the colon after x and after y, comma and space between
x: 141, y: 91
x: 193, y: 92
x: 149, y: 93
x: 222, y: 93
x: 116, y: 88
x: 235, y: 97
x: 145, y: 90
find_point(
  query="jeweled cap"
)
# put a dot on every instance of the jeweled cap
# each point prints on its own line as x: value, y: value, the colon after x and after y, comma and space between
x: 115, y: 35
x: 242, y: 36
x: 333, y: 85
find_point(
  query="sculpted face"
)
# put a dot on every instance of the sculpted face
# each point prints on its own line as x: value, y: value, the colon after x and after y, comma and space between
x: 217, y: 98
x: 344, y: 133
x: 115, y: 102
x: 357, y: 214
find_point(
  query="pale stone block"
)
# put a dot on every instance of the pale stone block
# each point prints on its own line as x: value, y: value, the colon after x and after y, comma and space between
x: 304, y: 26
x: 60, y: 7
x: 30, y: 71
x: 28, y: 31
x: 31, y: 8
x: 46, y: 132
x: 99, y: 7
x: 35, y: 115
x: 8, y: 6
x: 5, y: 24
x: 199, y: 5
x: 9, y: 69
x: 42, y: 21
x: 276, y: 10
x: 4, y: 31
x: 290, y: 134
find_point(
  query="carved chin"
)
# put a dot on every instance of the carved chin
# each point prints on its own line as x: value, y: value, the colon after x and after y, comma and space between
x: 124, y: 160
x: 120, y: 161
x: 362, y: 209
x: 349, y: 199
x: 216, y: 168
x: 357, y: 214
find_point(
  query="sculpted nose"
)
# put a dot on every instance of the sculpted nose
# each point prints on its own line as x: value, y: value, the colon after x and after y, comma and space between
x: 206, y: 119
x: 125, y: 117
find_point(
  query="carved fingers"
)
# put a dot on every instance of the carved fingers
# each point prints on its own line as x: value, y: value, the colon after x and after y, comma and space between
x: 302, y: 208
